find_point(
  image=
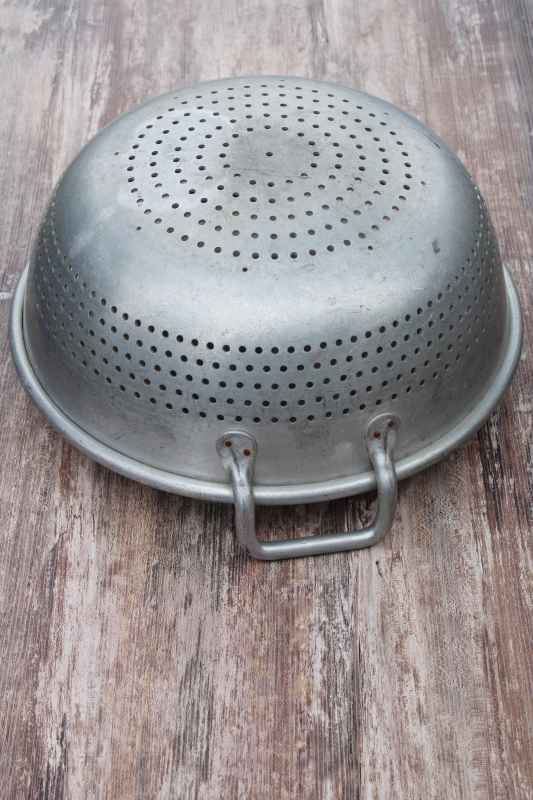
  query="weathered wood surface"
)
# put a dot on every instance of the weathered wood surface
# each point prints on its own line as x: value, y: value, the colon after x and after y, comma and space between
x: 141, y: 654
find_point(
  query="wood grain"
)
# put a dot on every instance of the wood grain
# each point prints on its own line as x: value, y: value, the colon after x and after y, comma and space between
x: 141, y: 654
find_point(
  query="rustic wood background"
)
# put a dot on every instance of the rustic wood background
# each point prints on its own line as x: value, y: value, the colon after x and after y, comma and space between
x: 141, y: 654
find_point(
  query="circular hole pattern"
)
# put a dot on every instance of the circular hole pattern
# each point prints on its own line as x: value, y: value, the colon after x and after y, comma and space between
x: 179, y: 373
x: 290, y: 154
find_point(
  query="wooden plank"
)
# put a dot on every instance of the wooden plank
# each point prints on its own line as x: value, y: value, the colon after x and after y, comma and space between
x: 143, y: 655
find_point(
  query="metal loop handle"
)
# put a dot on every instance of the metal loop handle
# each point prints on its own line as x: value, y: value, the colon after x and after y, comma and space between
x: 238, y: 450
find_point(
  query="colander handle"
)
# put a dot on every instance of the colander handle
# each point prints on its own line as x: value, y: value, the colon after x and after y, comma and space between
x: 238, y: 449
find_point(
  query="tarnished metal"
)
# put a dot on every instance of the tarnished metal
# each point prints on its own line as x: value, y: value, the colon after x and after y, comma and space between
x: 282, y: 256
x: 238, y: 451
x: 263, y: 495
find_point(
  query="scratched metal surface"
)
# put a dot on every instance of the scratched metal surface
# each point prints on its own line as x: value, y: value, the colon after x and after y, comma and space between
x: 142, y: 655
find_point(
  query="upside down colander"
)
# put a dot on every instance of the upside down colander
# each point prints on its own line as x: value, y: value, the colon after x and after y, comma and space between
x: 267, y: 290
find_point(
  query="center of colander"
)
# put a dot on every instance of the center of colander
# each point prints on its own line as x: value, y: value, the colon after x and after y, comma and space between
x: 269, y: 171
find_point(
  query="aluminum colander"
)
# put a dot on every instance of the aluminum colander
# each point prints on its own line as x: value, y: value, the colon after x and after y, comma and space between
x: 267, y: 290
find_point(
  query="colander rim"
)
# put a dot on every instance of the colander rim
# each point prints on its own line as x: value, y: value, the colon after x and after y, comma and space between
x: 264, y: 495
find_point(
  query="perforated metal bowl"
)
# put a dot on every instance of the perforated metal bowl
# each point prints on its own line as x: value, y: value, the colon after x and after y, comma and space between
x: 271, y: 267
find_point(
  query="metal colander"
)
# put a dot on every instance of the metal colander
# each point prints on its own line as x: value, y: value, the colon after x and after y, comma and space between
x: 282, y: 279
